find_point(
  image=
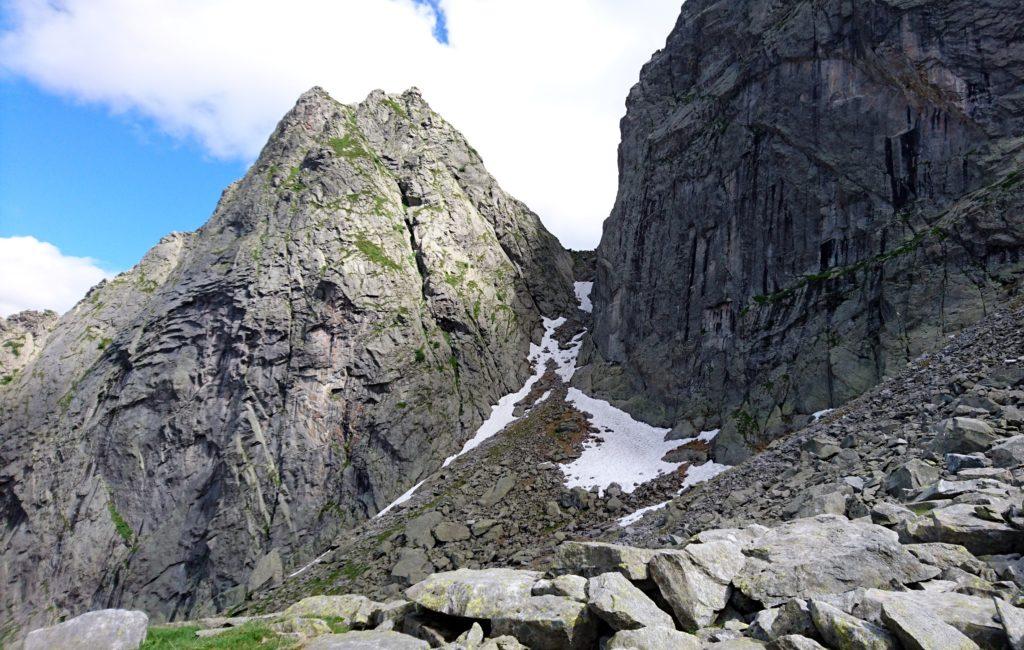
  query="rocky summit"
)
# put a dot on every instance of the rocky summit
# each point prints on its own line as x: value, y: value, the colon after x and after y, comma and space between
x: 373, y: 403
x: 217, y: 414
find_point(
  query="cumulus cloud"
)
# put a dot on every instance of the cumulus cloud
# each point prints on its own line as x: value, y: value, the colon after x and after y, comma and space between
x: 537, y: 86
x: 36, y: 275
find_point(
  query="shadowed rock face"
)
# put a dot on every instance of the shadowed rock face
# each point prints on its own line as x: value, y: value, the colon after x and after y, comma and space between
x: 810, y: 194
x: 339, y: 327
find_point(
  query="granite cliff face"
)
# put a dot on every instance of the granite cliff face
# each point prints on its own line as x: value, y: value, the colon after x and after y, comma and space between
x: 216, y: 415
x: 811, y: 194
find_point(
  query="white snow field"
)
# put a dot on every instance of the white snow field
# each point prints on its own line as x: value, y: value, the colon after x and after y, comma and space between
x: 629, y: 452
x: 583, y: 290
x: 502, y: 412
x: 694, y: 475
x: 400, y: 500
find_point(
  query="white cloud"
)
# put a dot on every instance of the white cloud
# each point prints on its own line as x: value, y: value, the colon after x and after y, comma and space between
x: 538, y: 86
x: 36, y: 275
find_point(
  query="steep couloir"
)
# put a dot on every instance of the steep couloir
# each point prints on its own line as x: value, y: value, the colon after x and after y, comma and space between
x: 339, y: 327
x: 811, y: 193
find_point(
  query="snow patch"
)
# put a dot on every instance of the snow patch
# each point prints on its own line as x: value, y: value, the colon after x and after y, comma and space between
x: 543, y: 397
x: 700, y: 473
x: 503, y: 413
x: 311, y: 564
x: 629, y: 455
x: 583, y: 290
x: 708, y: 436
x: 400, y: 500
x: 694, y: 475
x: 817, y: 415
x: 634, y: 517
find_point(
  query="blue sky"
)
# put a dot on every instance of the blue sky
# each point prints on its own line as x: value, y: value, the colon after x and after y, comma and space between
x: 121, y: 121
x: 98, y: 185
x: 101, y: 185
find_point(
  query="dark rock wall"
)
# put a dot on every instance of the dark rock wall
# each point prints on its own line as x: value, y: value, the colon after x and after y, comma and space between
x: 783, y: 166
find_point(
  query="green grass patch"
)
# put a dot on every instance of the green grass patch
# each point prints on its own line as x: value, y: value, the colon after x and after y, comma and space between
x: 14, y: 347
x: 104, y: 342
x: 354, y: 570
x: 375, y: 253
x: 243, y: 637
x: 7, y: 379
x: 396, y: 107
x: 348, y: 147
x: 420, y: 355
x: 122, y: 527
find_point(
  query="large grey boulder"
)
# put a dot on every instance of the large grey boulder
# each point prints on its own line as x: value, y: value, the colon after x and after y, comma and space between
x: 845, y: 632
x: 975, y: 617
x: 912, y: 475
x: 795, y: 642
x: 367, y: 640
x: 959, y: 523
x: 919, y: 629
x: 1012, y: 619
x: 570, y: 586
x: 696, y: 582
x: 622, y: 605
x: 353, y: 610
x: 474, y: 593
x: 963, y: 436
x: 823, y: 555
x: 106, y: 629
x: 1008, y: 453
x: 653, y: 638
x: 594, y: 558
x: 547, y: 623
x: 268, y: 572
x: 412, y: 566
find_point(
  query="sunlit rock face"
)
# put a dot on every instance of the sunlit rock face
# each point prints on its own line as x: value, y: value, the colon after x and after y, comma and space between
x: 215, y: 415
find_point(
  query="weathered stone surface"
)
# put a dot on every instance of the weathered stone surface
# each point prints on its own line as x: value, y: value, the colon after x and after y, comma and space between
x: 594, y: 558
x: 419, y: 531
x: 948, y: 556
x: 727, y: 283
x: 451, y: 531
x: 963, y: 436
x: 795, y: 642
x: 912, y: 475
x: 653, y: 638
x: 1008, y: 453
x: 845, y: 632
x: 696, y: 582
x: 570, y: 586
x: 483, y: 594
x: 413, y: 565
x: 959, y: 523
x: 368, y: 640
x: 303, y: 627
x: 623, y: 606
x: 973, y: 616
x: 498, y: 492
x: 1012, y: 619
x: 338, y: 328
x: 268, y: 572
x: 355, y: 611
x: 107, y: 629
x: 547, y: 623
x: 920, y: 630
x: 825, y: 555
